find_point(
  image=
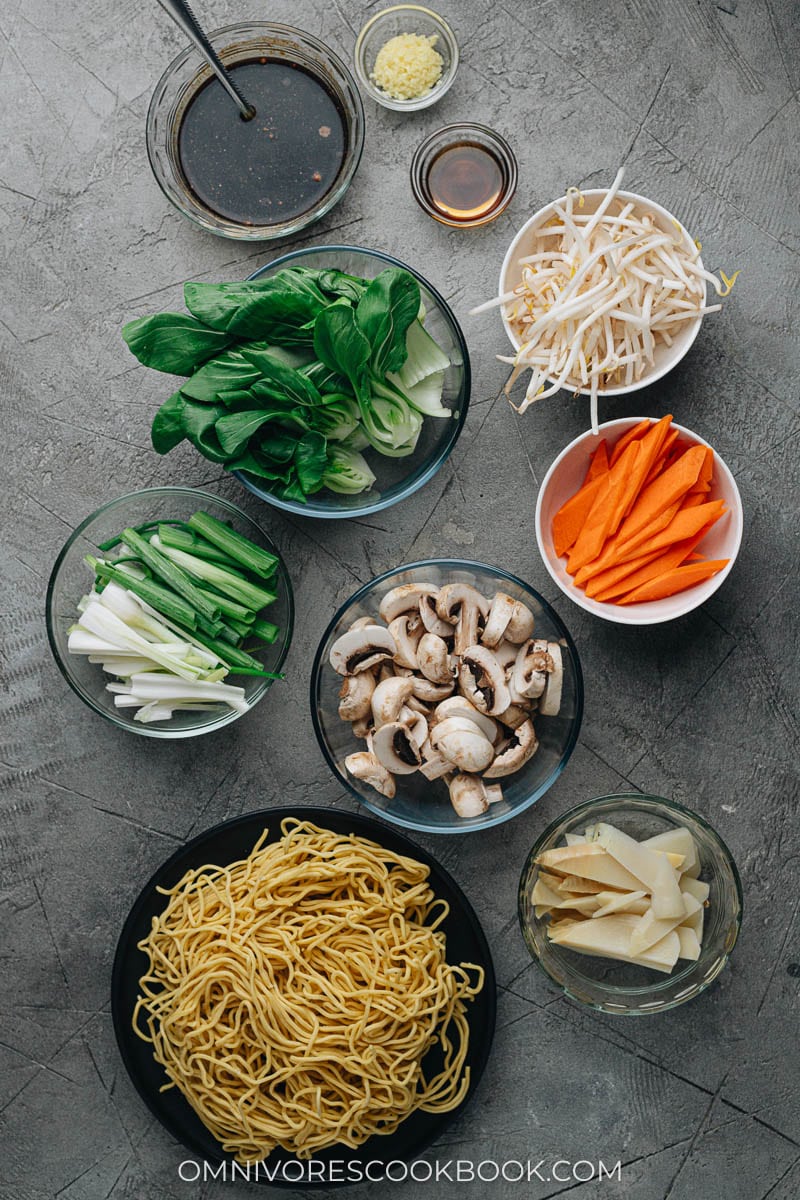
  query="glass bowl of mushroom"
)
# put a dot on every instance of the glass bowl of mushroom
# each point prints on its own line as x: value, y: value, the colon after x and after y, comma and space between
x: 446, y: 696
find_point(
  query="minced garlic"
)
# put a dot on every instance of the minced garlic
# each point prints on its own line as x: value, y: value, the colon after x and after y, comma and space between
x: 407, y: 66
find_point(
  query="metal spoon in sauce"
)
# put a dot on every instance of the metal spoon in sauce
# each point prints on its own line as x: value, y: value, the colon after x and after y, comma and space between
x: 185, y: 19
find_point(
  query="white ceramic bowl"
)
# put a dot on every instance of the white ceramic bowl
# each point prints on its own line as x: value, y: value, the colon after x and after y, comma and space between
x: 666, y: 357
x: 566, y: 476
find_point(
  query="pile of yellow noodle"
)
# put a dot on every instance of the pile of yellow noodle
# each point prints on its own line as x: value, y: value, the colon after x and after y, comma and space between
x: 293, y: 996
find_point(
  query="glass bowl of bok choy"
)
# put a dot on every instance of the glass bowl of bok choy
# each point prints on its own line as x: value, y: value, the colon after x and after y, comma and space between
x: 388, y: 444
x: 169, y: 612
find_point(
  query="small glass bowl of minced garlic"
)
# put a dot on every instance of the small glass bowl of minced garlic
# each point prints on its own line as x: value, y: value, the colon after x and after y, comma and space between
x: 406, y: 57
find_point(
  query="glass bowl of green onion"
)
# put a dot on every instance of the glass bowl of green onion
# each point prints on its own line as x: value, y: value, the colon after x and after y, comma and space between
x: 169, y: 612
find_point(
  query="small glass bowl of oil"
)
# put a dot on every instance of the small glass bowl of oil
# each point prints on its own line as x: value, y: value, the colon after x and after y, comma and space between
x: 464, y: 175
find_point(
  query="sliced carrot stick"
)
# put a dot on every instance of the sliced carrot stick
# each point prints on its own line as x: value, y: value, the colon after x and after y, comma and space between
x: 598, y: 463
x: 629, y: 436
x: 618, y: 575
x: 685, y: 524
x: 599, y: 523
x: 706, y: 472
x: 660, y: 462
x: 656, y: 564
x: 650, y: 447
x: 676, y: 580
x: 571, y: 517
x: 615, y: 549
x: 670, y: 486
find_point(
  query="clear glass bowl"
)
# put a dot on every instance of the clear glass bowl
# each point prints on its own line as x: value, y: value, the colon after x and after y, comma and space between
x: 418, y: 803
x: 396, y: 478
x: 71, y: 578
x: 188, y: 72
x: 457, y: 135
x: 620, y: 988
x: 405, y: 18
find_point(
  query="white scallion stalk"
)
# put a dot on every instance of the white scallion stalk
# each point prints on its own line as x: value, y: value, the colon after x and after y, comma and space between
x: 107, y: 625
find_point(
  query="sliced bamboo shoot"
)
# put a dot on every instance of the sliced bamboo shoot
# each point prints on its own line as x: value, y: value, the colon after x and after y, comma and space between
x: 610, y: 937
x: 616, y: 902
x: 605, y: 869
x: 543, y: 895
x: 563, y: 854
x: 651, y: 929
x: 689, y: 942
x: 679, y: 841
x: 648, y: 866
x: 575, y: 885
x: 696, y: 888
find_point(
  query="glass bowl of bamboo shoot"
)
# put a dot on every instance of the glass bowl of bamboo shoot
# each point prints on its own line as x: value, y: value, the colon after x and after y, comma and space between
x: 599, y: 930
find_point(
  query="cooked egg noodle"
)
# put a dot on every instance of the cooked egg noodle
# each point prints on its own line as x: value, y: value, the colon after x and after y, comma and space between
x: 293, y: 996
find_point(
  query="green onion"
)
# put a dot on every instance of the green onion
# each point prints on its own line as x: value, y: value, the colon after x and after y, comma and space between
x: 241, y: 627
x: 230, y: 609
x: 162, y: 599
x: 227, y: 582
x: 169, y: 573
x: 240, y: 548
x: 233, y: 657
x: 265, y: 631
x: 183, y: 538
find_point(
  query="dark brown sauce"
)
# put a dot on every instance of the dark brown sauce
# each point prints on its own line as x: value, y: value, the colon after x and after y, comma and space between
x: 277, y: 165
x: 466, y: 181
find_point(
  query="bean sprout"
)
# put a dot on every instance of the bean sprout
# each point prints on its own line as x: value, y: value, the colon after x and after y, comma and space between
x: 593, y: 307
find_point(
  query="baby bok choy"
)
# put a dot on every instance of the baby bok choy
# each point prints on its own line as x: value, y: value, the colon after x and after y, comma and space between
x: 289, y: 378
x: 177, y: 607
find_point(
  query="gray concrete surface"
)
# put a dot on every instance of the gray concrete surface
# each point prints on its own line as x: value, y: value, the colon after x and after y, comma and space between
x: 699, y: 100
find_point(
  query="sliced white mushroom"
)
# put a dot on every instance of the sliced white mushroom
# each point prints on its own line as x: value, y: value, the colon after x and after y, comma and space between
x: 419, y: 706
x: 520, y: 627
x: 514, y: 716
x: 433, y: 765
x: 371, y: 771
x: 463, y: 606
x: 416, y: 723
x: 468, y: 795
x: 506, y: 653
x: 530, y: 669
x: 429, y: 692
x: 459, y: 706
x: 394, y: 747
x: 406, y: 641
x: 404, y: 598
x: 433, y: 658
x: 355, y: 695
x: 361, y: 649
x: 362, y: 728
x: 483, y: 681
x: 431, y: 619
x: 362, y: 623
x: 523, y: 745
x: 500, y: 613
x: 516, y: 697
x: 550, y: 703
x: 462, y: 743
x: 388, y: 698
x: 494, y: 792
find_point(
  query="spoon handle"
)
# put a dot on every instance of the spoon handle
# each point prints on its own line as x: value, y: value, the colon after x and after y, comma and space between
x: 185, y: 19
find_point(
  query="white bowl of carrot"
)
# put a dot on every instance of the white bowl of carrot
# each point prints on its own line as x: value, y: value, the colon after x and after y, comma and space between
x: 640, y: 522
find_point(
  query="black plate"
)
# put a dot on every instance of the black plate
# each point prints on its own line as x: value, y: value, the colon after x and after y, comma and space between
x: 227, y: 843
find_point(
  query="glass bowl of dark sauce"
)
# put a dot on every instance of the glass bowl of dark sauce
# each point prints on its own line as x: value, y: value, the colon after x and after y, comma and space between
x: 272, y: 175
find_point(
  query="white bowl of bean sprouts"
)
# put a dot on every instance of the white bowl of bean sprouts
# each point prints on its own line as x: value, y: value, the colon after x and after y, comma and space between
x: 601, y: 293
